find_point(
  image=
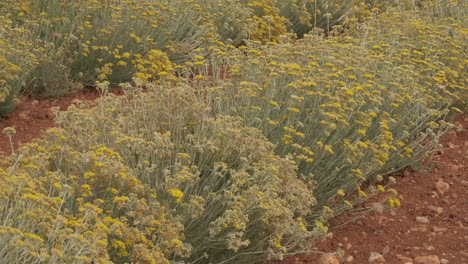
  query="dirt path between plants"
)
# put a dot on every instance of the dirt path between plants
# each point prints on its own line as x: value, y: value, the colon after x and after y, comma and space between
x: 431, y: 226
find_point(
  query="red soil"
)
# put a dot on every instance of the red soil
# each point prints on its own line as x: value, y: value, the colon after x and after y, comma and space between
x: 396, y: 235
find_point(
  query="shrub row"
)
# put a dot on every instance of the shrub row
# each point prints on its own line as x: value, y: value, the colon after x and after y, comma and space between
x: 346, y: 108
x: 73, y: 44
x: 239, y: 155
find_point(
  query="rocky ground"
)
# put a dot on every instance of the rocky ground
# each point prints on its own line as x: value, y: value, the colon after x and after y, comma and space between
x: 430, y: 227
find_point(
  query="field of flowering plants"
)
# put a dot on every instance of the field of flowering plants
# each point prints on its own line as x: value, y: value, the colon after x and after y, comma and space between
x: 243, y: 128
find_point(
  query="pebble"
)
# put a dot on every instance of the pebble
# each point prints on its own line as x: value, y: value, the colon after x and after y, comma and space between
x: 405, y: 259
x: 376, y: 258
x: 422, y: 219
x: 406, y: 173
x: 419, y: 229
x: 431, y: 259
x: 442, y: 187
x: 430, y: 248
x: 444, y: 261
x: 436, y: 209
x: 453, y: 170
x: 50, y: 113
x: 364, y: 235
x: 24, y: 115
x: 385, y: 250
x: 439, y: 229
x: 328, y: 259
x: 349, y: 258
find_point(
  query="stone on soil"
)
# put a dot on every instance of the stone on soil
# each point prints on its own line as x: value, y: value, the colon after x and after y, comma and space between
x: 439, y: 229
x: 431, y: 259
x: 385, y: 250
x: 24, y: 115
x: 349, y: 258
x: 442, y: 187
x: 328, y: 259
x: 403, y: 258
x: 422, y: 219
x: 436, y: 209
x: 376, y: 258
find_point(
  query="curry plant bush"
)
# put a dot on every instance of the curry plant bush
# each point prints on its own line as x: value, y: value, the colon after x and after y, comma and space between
x: 150, y: 178
x: 234, y: 141
x: 304, y: 15
x: 17, y: 58
x: 79, y: 43
x: 87, y: 41
x: 347, y: 108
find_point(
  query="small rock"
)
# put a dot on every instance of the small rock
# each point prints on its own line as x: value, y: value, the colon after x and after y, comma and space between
x: 419, y: 229
x: 422, y: 219
x: 349, y: 258
x: 453, y: 170
x: 376, y: 258
x: 50, y: 113
x: 348, y: 246
x: 442, y: 187
x: 430, y: 248
x: 328, y: 259
x: 385, y: 250
x: 393, y: 213
x: 432, y: 259
x: 466, y: 144
x: 407, y: 173
x: 439, y: 229
x: 444, y: 261
x: 409, y: 262
x: 403, y: 258
x: 24, y: 115
x: 364, y: 234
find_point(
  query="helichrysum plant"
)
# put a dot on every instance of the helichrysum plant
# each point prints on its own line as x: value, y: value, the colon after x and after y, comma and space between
x: 17, y: 58
x: 218, y: 154
x: 346, y: 108
x: 153, y: 176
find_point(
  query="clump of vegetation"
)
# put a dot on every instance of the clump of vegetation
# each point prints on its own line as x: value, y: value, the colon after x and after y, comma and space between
x: 234, y: 141
x: 82, y: 43
x: 154, y: 172
x: 17, y: 58
x: 347, y: 108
